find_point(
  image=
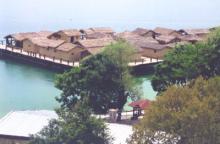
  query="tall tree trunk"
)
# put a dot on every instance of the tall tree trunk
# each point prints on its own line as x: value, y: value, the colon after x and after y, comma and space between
x: 119, y: 115
x: 120, y: 102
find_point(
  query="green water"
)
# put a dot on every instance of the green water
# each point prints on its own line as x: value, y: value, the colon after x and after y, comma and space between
x: 25, y: 87
x: 145, y: 88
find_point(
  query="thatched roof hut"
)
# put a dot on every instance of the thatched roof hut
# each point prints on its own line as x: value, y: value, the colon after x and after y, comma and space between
x: 16, y: 40
x: 105, y: 30
x: 44, y: 34
x: 66, y: 47
x: 135, y: 40
x: 197, y: 31
x: 45, y: 42
x: 69, y: 35
x: 94, y: 43
x: 191, y: 38
x: 144, y: 32
x: 166, y: 39
x: 22, y: 36
x: 68, y: 32
x: 70, y: 52
x: 96, y: 35
x: 95, y: 46
x: 165, y: 31
x: 132, y: 37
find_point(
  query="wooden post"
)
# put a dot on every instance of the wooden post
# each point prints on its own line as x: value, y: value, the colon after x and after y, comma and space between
x: 135, y: 61
x: 53, y: 59
x: 61, y: 60
x: 68, y: 62
x: 44, y: 56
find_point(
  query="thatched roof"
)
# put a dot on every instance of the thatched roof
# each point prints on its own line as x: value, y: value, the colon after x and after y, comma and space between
x: 94, y: 51
x: 165, y: 39
x: 94, y: 43
x: 44, y: 33
x: 45, y: 42
x: 164, y: 31
x: 87, y: 31
x: 66, y: 47
x: 141, y: 31
x: 142, y: 41
x: 127, y: 34
x: 136, y: 40
x: 153, y: 46
x: 130, y: 37
x: 22, y: 36
x: 68, y: 32
x: 96, y: 35
x: 106, y: 30
x: 191, y: 38
x: 197, y: 31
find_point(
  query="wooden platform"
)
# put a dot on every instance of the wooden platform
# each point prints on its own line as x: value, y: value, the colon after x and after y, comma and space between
x: 37, y: 56
x: 15, y: 52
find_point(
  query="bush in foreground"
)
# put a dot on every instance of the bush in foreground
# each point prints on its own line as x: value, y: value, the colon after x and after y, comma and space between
x: 74, y: 127
x: 183, y: 115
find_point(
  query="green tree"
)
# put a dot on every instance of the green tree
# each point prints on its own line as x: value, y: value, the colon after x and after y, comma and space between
x: 74, y: 127
x: 183, y: 115
x: 104, y: 80
x: 121, y: 54
x: 187, y: 62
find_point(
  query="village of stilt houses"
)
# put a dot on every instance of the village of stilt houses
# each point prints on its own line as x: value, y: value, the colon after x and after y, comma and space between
x: 68, y: 47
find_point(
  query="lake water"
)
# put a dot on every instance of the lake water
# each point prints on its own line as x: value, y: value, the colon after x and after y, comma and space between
x: 24, y: 87
x: 27, y: 87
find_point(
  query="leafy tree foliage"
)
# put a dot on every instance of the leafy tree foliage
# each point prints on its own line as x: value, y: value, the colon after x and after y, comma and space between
x: 183, y: 115
x: 74, y: 127
x: 187, y: 62
x: 103, y: 80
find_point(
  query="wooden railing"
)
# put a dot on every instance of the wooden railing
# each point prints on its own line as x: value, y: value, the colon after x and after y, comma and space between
x: 144, y: 60
x: 40, y: 56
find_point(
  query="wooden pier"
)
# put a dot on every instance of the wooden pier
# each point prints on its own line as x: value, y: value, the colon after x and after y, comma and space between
x: 38, y: 60
x: 38, y: 56
x: 59, y: 64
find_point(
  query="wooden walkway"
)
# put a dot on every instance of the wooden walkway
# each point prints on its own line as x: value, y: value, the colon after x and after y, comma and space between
x: 144, y: 61
x: 58, y: 61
